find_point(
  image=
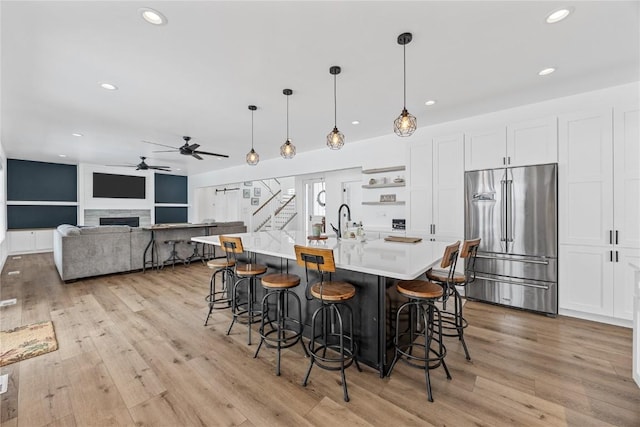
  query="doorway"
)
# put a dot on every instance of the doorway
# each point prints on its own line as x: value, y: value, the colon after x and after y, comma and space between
x: 315, y: 201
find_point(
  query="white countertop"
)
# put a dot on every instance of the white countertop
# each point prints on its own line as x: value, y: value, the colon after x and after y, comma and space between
x: 404, y: 261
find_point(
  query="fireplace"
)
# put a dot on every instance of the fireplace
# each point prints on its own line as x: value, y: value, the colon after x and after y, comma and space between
x: 131, y: 221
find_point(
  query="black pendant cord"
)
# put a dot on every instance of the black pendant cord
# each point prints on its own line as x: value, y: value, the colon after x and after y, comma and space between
x: 404, y: 64
x: 251, y: 130
x: 335, y: 104
x: 287, y: 119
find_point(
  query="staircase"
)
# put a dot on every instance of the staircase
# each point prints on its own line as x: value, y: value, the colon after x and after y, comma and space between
x: 283, y: 211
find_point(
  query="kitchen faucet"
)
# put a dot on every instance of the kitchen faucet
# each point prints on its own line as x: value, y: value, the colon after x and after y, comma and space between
x: 344, y: 205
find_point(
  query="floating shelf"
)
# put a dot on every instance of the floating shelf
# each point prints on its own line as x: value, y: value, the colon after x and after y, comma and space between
x: 383, y: 170
x: 383, y: 203
x: 390, y: 184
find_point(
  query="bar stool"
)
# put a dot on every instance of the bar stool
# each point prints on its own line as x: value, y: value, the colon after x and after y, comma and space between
x: 219, y: 299
x: 195, y: 255
x: 454, y: 322
x: 242, y: 311
x: 173, y: 256
x: 284, y: 331
x: 422, y: 295
x: 332, y: 296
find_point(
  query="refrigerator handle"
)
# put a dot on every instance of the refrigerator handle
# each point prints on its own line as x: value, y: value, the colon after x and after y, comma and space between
x: 616, y: 237
x: 610, y: 236
x: 503, y: 185
x: 510, y: 211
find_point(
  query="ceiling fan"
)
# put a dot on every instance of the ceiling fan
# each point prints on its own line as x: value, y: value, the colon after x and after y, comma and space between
x: 143, y: 166
x: 186, y: 149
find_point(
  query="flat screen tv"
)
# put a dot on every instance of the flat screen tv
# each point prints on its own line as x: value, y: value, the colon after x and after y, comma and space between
x: 110, y: 186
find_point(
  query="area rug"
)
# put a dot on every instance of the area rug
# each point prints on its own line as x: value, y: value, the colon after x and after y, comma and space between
x: 27, y: 341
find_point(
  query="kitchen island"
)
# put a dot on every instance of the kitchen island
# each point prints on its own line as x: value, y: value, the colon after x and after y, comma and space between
x: 371, y: 266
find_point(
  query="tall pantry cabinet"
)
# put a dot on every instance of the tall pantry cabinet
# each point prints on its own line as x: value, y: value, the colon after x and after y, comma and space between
x: 599, y: 187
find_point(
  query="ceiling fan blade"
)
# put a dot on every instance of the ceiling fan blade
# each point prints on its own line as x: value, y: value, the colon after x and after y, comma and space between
x: 160, y: 168
x: 196, y: 156
x: 165, y: 151
x: 155, y: 143
x: 123, y: 166
x: 211, y: 154
x: 194, y: 147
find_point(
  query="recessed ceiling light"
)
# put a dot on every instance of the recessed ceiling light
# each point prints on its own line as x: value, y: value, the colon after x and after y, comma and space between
x: 76, y: 134
x: 62, y: 155
x: 355, y: 122
x: 558, y: 15
x: 108, y: 86
x: 178, y: 169
x: 152, y: 16
x: 546, y: 71
x: 430, y: 102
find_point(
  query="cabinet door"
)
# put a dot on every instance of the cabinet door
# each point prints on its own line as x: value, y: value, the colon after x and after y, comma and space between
x: 485, y: 149
x: 44, y: 240
x: 534, y: 142
x: 448, y: 187
x: 625, y: 273
x: 626, y: 176
x: 585, y: 173
x: 585, y: 279
x: 420, y: 195
x: 21, y: 241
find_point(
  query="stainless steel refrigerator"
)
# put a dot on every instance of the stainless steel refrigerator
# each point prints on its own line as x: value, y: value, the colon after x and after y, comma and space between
x: 515, y: 213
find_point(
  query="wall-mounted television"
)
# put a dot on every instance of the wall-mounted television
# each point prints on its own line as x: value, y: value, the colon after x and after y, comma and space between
x: 111, y: 186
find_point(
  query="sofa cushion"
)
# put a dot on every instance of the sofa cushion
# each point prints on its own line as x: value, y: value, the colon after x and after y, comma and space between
x: 105, y: 229
x: 68, y: 230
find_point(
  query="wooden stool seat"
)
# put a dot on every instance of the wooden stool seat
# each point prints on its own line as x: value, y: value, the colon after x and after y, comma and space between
x: 419, y: 289
x: 220, y: 263
x: 250, y: 269
x: 442, y: 276
x: 333, y: 291
x: 280, y: 281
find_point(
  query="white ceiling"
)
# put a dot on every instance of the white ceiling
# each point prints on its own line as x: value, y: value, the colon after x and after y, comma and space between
x: 197, y: 74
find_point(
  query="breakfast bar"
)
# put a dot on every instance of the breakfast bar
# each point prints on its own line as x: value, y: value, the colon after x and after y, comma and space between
x: 371, y: 266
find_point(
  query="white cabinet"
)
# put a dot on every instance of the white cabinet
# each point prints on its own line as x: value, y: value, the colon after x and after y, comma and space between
x: 599, y: 193
x: 485, y: 149
x: 30, y: 241
x: 437, y: 188
x: 585, y: 178
x: 531, y: 142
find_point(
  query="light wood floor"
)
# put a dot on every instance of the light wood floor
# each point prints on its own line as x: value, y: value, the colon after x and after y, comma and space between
x: 133, y: 351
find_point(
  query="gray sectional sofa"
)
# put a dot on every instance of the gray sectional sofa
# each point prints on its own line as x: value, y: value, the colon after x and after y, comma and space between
x: 93, y: 251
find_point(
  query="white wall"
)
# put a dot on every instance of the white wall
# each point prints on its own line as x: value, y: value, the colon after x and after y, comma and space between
x: 3, y: 207
x: 85, y: 190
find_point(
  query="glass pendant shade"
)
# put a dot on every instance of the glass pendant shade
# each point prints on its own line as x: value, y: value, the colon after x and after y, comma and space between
x: 335, y: 139
x: 405, y: 124
x: 252, y: 158
x: 288, y: 150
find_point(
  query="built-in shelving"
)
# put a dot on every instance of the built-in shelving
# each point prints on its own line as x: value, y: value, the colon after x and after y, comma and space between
x: 387, y: 185
x: 384, y: 203
x: 383, y: 170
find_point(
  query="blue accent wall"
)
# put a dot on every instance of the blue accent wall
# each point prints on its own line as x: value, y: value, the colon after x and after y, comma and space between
x: 170, y: 215
x: 39, y: 181
x: 170, y: 188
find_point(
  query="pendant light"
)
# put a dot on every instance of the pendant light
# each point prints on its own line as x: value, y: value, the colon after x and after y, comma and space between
x: 252, y: 157
x: 287, y: 150
x: 335, y: 139
x: 405, y: 124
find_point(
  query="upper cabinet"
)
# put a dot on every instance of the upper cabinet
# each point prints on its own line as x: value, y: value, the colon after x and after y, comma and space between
x: 437, y: 188
x: 525, y: 143
x: 485, y: 149
x: 586, y: 178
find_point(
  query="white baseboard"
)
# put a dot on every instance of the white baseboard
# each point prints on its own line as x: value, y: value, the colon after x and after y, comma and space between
x: 596, y: 318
